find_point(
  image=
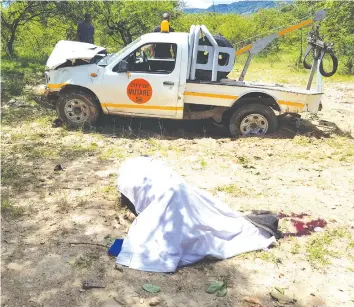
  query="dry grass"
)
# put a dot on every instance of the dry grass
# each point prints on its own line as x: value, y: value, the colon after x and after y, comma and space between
x: 279, y: 173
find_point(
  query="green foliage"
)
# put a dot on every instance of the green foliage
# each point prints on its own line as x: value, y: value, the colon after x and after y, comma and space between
x: 126, y: 20
x: 17, y: 14
x: 16, y: 74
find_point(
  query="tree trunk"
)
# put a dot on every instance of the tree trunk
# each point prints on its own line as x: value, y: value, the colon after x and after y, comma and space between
x: 10, y: 45
x: 126, y: 36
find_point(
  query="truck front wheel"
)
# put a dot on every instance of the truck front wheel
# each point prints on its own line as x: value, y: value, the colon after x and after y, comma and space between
x: 77, y: 109
x: 252, y: 119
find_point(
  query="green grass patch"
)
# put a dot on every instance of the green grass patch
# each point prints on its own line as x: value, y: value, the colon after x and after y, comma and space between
x: 345, y: 155
x: 112, y: 153
x: 203, y: 163
x: 109, y: 191
x: 231, y: 189
x: 42, y: 150
x: 9, y: 209
x: 267, y: 256
x: 295, y: 248
x: 27, y: 136
x: 81, y: 148
x: 155, y: 146
x: 243, y: 160
x: 344, y: 148
x: 13, y: 117
x: 17, y: 175
x: 320, y: 248
x: 302, y: 140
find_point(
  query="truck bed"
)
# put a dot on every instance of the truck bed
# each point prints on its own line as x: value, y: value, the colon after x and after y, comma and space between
x: 226, y: 91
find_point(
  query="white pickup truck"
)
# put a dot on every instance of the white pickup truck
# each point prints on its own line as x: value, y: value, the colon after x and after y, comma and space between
x: 167, y: 75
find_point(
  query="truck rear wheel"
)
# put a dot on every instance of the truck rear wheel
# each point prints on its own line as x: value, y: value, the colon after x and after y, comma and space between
x: 252, y: 119
x: 77, y: 109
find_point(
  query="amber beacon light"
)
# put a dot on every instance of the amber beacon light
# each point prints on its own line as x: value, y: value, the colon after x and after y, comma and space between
x: 165, y: 27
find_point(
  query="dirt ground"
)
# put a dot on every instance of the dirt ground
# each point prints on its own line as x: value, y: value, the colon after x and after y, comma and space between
x: 44, y: 212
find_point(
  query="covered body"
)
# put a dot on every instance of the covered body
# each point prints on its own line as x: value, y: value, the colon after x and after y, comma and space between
x: 178, y: 224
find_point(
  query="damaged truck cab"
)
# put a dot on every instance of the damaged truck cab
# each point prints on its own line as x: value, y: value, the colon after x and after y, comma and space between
x: 167, y: 75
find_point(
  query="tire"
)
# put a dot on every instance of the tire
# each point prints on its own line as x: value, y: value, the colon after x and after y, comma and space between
x: 335, y: 65
x: 305, y: 63
x: 321, y: 68
x: 252, y: 119
x: 84, y: 109
x: 206, y: 74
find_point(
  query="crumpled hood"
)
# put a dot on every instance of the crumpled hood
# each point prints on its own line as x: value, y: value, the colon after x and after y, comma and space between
x: 69, y: 50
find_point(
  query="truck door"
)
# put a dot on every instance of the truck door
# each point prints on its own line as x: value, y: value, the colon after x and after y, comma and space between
x: 150, y: 86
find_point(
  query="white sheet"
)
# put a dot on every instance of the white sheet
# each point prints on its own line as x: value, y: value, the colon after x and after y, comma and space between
x: 178, y: 224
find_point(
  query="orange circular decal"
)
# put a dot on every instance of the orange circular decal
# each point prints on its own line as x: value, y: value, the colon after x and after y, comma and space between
x: 139, y: 91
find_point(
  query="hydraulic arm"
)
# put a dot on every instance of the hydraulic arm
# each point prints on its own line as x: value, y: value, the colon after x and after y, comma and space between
x: 315, y: 44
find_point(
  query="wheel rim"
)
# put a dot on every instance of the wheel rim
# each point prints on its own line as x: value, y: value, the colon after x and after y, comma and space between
x: 76, y: 111
x: 254, y: 124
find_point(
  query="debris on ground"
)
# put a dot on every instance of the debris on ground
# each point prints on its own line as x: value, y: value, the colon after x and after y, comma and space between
x: 129, y: 216
x: 118, y: 267
x: 252, y: 301
x: 57, y: 123
x: 90, y: 284
x: 218, y: 287
x: 151, y: 288
x: 155, y: 301
x: 279, y: 294
x: 59, y: 167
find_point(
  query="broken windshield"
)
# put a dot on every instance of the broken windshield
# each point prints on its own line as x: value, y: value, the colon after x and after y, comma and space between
x: 110, y: 58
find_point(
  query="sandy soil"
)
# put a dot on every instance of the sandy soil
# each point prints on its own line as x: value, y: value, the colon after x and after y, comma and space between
x: 307, y: 170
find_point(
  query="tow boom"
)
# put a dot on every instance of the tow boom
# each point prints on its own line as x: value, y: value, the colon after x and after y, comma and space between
x: 262, y: 43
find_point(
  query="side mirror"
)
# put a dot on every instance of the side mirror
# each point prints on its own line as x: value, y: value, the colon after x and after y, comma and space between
x: 122, y: 66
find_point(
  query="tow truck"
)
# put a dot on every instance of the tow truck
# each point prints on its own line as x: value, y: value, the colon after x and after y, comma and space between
x: 83, y: 81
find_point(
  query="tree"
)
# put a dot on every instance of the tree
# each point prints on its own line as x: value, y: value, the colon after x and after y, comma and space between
x: 125, y: 20
x: 339, y: 28
x: 16, y: 14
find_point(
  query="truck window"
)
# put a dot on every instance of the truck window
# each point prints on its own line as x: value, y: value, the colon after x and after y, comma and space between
x: 156, y: 58
x: 202, y: 58
x: 112, y: 57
